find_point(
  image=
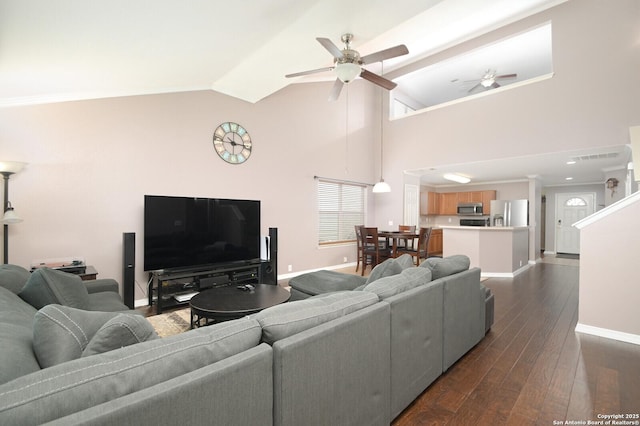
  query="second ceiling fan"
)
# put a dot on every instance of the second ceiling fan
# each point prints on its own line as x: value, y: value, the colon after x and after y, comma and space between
x: 348, y: 64
x: 489, y: 80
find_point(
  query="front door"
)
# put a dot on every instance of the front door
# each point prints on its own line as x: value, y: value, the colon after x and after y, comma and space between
x: 570, y: 208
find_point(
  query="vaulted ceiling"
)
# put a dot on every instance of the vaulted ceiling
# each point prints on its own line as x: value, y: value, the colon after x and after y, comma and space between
x: 53, y: 51
x: 61, y: 50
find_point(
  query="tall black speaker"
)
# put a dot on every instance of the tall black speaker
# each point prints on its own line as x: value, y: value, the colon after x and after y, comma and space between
x: 129, y: 268
x: 269, y: 269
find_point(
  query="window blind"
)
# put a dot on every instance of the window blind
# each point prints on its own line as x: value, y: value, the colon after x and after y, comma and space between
x: 341, y: 206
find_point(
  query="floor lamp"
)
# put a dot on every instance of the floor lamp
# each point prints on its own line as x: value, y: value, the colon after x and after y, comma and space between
x: 7, y: 168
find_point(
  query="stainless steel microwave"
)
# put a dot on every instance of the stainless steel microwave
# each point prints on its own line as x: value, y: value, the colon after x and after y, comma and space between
x: 470, y: 209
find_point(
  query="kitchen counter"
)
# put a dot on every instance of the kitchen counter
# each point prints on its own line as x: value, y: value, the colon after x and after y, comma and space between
x: 485, y: 228
x: 499, y: 251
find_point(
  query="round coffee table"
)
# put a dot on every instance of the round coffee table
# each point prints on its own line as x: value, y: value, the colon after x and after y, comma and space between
x: 230, y: 302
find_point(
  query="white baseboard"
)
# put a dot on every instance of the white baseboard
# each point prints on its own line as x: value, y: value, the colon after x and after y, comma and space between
x: 608, y: 334
x: 140, y: 303
x: 505, y: 274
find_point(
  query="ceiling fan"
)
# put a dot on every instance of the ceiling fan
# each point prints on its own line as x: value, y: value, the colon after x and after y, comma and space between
x: 348, y: 64
x: 489, y: 80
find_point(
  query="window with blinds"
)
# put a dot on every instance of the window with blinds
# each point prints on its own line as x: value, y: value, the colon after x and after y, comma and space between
x: 341, y: 206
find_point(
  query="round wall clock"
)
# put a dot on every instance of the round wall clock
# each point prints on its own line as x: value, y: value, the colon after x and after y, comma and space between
x: 232, y: 143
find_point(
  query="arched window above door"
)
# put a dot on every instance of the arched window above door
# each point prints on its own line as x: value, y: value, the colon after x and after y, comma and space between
x: 575, y: 202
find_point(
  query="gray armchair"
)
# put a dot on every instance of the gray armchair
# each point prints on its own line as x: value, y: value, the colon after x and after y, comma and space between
x: 47, y: 286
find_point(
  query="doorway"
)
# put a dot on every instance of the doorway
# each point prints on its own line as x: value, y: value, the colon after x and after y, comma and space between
x: 570, y: 208
x: 411, y: 205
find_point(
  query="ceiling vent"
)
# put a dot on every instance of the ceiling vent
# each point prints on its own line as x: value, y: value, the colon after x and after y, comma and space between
x: 590, y: 157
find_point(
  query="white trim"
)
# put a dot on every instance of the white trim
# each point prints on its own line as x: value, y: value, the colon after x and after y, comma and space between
x: 608, y: 334
x: 618, y: 205
x: 505, y: 274
x: 141, y: 303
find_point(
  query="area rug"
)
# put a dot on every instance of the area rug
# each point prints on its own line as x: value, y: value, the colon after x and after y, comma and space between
x: 171, y: 323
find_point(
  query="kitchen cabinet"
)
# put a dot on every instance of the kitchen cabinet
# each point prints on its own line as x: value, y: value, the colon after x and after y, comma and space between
x: 486, y: 197
x: 434, y: 248
x: 470, y: 197
x: 428, y: 203
x: 448, y: 203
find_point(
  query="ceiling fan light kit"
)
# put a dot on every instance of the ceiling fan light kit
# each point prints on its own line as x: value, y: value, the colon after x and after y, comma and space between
x: 348, y: 64
x: 347, y: 72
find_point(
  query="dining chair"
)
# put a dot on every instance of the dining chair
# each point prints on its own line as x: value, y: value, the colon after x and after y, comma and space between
x: 406, y: 228
x: 360, y: 256
x: 373, y: 252
x: 421, y: 249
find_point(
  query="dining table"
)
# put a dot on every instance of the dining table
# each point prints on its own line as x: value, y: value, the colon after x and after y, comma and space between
x: 396, y: 236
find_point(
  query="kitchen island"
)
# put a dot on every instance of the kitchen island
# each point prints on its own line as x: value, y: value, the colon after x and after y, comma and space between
x: 499, y: 251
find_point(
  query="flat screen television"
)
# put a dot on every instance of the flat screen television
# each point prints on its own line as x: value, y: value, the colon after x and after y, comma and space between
x: 187, y: 232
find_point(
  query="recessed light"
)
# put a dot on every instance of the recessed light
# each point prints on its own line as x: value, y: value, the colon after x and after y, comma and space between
x: 570, y: 162
x: 568, y: 178
x: 456, y: 178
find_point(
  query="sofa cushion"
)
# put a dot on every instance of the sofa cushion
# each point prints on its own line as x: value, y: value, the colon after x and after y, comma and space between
x: 90, y: 381
x: 107, y: 301
x: 13, y: 277
x: 442, y: 267
x: 385, y: 269
x: 406, y: 280
x: 405, y: 261
x: 61, y: 333
x: 325, y: 281
x: 46, y: 286
x: 281, y: 321
x: 16, y: 334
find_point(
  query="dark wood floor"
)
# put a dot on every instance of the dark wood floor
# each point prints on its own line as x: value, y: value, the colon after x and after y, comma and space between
x: 533, y: 368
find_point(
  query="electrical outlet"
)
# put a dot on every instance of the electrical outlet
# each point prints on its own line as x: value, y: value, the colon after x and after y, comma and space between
x: 390, y: 223
x: 290, y: 268
x: 344, y: 259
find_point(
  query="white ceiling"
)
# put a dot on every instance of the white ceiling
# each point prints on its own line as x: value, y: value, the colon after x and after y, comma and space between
x: 76, y: 49
x: 53, y: 51
x: 552, y: 169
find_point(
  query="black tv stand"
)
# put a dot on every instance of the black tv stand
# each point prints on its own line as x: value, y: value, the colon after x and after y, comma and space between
x: 172, y: 288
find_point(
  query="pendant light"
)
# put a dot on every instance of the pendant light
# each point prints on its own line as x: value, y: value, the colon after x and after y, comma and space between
x: 381, y: 186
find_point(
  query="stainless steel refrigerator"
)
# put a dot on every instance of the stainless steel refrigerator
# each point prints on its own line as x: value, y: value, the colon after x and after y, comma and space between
x: 509, y: 213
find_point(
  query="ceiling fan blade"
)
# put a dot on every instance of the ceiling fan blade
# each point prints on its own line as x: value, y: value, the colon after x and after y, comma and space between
x: 335, y: 90
x: 389, y: 53
x: 330, y: 46
x: 376, y: 79
x: 474, y: 88
x: 494, y: 85
x: 298, y: 74
x: 507, y: 76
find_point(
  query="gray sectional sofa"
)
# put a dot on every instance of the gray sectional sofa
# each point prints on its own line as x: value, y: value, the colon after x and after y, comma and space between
x: 355, y: 357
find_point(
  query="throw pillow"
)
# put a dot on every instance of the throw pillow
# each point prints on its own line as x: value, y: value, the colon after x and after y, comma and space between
x: 122, y: 330
x: 61, y: 333
x: 448, y: 266
x: 46, y: 286
x: 385, y: 269
x: 392, y: 285
x: 13, y: 277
